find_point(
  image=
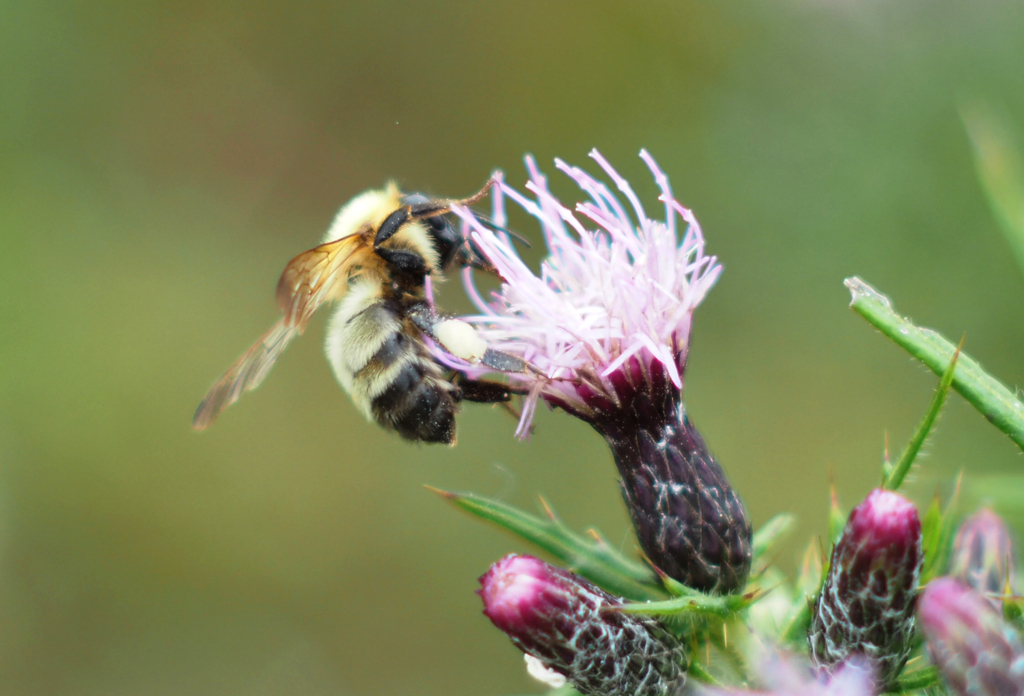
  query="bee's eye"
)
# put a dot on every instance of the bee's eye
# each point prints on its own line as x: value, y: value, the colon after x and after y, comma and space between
x: 439, y: 222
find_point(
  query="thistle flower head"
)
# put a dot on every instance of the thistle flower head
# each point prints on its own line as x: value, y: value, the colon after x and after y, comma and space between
x: 605, y: 327
x: 866, y: 606
x: 977, y: 652
x: 569, y: 625
x: 983, y: 554
x: 613, y: 302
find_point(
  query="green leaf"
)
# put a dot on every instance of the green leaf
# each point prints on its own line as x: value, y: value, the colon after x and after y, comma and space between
x: 593, y: 558
x: 895, y: 476
x: 931, y: 528
x: 836, y: 516
x: 1013, y: 610
x: 767, y: 538
x: 919, y: 679
x: 937, y: 535
x: 988, y: 395
x: 700, y: 674
x: 1000, y: 172
x: 722, y: 606
x: 812, y: 576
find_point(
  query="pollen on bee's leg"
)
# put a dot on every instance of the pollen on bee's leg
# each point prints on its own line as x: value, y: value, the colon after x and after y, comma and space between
x: 460, y: 339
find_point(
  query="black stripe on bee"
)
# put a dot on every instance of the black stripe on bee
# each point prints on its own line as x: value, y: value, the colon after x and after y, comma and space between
x: 392, y: 399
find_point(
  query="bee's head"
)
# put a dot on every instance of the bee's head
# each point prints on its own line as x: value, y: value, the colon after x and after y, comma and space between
x: 469, y: 254
x: 452, y: 248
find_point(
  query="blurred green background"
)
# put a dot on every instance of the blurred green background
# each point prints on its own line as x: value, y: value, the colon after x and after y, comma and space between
x: 160, y: 162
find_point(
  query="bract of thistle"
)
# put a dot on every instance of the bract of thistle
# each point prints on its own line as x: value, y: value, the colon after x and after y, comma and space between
x: 617, y: 290
x: 983, y: 556
x: 978, y: 653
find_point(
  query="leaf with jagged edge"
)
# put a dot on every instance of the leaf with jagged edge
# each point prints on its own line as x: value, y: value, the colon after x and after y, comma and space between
x: 987, y: 394
x: 767, y: 538
x: 836, y: 516
x: 937, y: 529
x: 919, y: 679
x: 813, y: 570
x: 593, y: 558
x: 893, y: 476
x: 931, y: 526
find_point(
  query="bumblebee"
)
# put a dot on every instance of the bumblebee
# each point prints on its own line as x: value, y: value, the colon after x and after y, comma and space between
x: 374, y: 264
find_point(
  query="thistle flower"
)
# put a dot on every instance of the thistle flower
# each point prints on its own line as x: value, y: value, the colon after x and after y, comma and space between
x: 569, y: 625
x: 977, y: 652
x: 782, y: 674
x: 983, y: 554
x: 606, y: 329
x: 866, y: 606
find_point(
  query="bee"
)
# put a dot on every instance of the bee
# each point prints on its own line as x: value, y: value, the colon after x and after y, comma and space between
x: 374, y: 264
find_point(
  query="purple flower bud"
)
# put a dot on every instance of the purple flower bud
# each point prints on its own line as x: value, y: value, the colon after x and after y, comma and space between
x: 983, y: 554
x: 570, y: 625
x: 605, y: 327
x: 977, y: 652
x: 867, y: 604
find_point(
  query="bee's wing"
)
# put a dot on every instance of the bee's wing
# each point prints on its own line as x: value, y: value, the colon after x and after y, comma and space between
x: 309, y: 280
x: 247, y: 373
x: 319, y: 275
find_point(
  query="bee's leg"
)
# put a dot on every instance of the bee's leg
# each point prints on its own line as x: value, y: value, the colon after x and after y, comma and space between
x: 503, y: 362
x: 462, y: 340
x: 392, y: 223
x: 418, y: 208
x: 485, y: 391
x: 457, y: 337
x: 405, y: 261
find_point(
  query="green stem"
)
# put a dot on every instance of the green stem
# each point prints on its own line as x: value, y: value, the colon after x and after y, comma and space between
x: 722, y: 606
x: 993, y: 400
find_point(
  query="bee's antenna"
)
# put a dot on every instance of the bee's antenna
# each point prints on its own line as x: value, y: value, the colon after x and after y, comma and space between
x: 489, y: 224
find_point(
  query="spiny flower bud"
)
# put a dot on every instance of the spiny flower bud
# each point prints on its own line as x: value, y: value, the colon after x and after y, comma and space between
x: 688, y: 519
x: 571, y: 627
x: 977, y: 652
x: 867, y: 604
x: 983, y: 554
x: 605, y: 328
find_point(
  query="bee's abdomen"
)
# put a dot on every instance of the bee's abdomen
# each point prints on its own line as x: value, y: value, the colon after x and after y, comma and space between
x: 380, y: 360
x: 416, y: 403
